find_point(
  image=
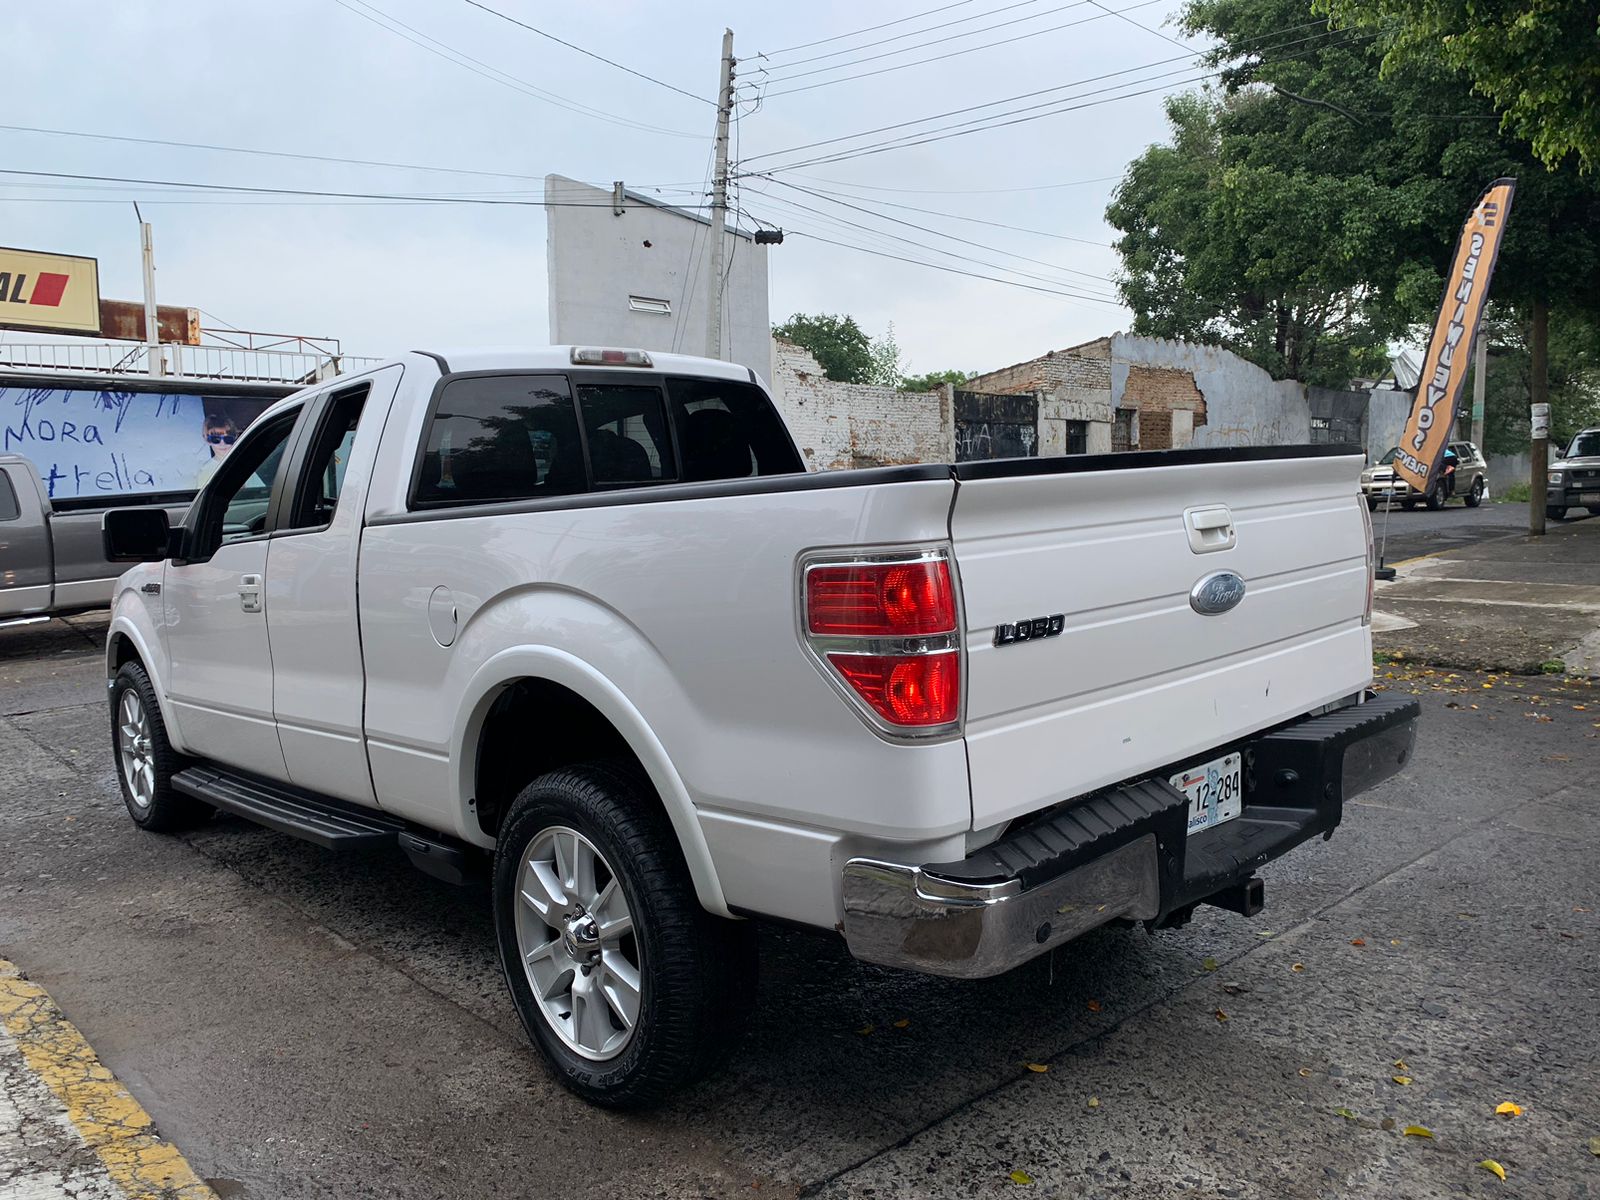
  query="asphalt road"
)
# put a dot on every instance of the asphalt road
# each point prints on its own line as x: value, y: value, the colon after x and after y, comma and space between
x: 302, y: 1025
x: 1418, y: 532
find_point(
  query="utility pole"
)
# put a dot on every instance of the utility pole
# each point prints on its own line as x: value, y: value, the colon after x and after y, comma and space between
x: 1480, y: 377
x: 1539, y: 351
x: 719, y: 203
x: 152, y: 324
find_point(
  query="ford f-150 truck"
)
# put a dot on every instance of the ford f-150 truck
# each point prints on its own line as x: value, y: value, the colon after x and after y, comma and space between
x: 581, y: 616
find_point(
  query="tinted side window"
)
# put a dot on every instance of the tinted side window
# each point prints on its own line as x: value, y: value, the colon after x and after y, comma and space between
x: 317, y: 492
x: 729, y: 430
x: 626, y: 425
x: 502, y: 437
x: 10, y: 510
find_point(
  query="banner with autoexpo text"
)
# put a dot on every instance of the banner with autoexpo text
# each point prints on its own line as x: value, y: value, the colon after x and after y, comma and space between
x: 1444, y: 370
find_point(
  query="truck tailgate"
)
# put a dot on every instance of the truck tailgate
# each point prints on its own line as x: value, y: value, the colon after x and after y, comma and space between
x: 1137, y: 678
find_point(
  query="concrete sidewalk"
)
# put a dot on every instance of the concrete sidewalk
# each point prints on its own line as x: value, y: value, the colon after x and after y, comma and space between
x: 1516, y: 604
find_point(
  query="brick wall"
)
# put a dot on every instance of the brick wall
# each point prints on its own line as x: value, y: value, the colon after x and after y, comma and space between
x: 1157, y: 393
x: 839, y: 425
x: 1079, y: 367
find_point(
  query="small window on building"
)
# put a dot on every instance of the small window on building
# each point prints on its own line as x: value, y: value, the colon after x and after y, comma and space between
x: 649, y: 304
x: 502, y: 437
x: 1077, y: 437
x: 10, y: 510
x: 1122, y: 431
x: 729, y: 430
x: 1321, y: 430
x: 626, y: 428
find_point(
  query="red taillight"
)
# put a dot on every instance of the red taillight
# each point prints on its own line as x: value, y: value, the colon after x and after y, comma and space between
x: 911, y: 599
x: 911, y: 690
x: 887, y: 631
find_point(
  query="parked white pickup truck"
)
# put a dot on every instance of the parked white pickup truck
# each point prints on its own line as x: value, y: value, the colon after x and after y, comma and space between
x: 581, y: 615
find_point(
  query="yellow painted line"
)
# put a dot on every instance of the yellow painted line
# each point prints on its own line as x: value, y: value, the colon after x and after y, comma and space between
x: 111, y: 1121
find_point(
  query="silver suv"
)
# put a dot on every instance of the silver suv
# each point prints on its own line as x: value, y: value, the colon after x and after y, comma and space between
x: 1471, y: 482
x: 1575, y: 477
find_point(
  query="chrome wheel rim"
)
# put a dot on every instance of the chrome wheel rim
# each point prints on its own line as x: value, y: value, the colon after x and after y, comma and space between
x: 578, y: 945
x: 134, y: 748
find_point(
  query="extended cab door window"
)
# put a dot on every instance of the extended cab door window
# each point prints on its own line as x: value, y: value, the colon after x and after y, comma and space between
x: 729, y: 430
x: 501, y: 437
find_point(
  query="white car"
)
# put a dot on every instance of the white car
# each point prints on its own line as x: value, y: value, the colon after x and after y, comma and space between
x: 580, y: 617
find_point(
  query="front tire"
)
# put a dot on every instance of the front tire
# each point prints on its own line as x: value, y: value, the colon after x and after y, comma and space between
x: 145, y: 758
x: 1553, y: 513
x: 1475, y: 496
x: 628, y: 987
x: 1435, y: 498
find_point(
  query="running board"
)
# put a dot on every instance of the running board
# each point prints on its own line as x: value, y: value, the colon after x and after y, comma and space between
x: 288, y: 809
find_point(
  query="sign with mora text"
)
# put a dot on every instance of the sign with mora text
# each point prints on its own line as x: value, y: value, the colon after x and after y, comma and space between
x: 49, y: 293
x: 1444, y: 370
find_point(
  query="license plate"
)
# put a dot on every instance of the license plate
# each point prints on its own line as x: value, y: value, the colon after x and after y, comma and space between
x: 1214, y: 791
x: 1589, y: 498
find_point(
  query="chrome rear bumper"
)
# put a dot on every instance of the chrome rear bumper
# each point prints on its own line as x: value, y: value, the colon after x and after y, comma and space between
x: 1124, y: 853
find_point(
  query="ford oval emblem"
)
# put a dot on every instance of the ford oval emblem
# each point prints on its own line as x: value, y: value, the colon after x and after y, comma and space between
x: 1216, y: 593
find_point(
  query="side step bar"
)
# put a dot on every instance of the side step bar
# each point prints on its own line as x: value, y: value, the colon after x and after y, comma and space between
x: 325, y: 822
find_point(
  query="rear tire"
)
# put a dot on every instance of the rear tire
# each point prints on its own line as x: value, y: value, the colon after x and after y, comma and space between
x: 1372, y: 504
x: 1475, y: 496
x: 627, y: 1017
x: 145, y: 758
x: 1555, y: 514
x: 1592, y: 509
x: 1408, y: 505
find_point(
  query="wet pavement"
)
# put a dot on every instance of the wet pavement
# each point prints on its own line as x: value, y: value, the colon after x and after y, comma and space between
x: 305, y: 1025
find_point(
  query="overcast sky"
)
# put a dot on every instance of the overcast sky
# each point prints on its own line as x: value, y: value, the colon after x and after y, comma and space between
x: 320, y: 77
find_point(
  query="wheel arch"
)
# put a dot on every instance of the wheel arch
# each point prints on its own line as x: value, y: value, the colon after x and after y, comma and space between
x: 589, y: 717
x: 126, y: 642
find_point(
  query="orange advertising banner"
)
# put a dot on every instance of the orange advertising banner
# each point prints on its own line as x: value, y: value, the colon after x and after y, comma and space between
x: 1444, y: 370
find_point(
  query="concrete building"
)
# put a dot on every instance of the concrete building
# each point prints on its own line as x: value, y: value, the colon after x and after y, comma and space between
x: 634, y: 273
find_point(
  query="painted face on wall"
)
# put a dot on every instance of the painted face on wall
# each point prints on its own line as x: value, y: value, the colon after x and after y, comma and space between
x: 220, y: 436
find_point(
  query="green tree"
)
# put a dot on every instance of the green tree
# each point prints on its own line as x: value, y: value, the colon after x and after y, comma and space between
x: 1574, y: 381
x: 1537, y: 60
x: 934, y: 379
x: 885, y: 356
x: 840, y: 345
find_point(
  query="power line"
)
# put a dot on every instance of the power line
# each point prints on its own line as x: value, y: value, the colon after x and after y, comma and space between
x: 949, y: 53
x: 950, y: 216
x: 416, y: 198
x: 1037, y: 187
x: 1146, y: 28
x: 838, y: 37
x: 590, y: 53
x: 376, y: 16
x: 938, y: 232
x: 927, y: 29
x: 1054, y: 108
x: 1057, y: 283
x: 948, y: 270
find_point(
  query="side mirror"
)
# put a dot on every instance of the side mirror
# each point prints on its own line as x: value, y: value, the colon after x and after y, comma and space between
x: 135, y: 534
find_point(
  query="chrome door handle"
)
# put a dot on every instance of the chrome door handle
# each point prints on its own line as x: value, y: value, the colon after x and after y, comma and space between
x: 250, y: 593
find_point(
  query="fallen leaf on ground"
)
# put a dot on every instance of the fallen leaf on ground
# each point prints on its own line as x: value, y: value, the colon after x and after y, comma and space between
x: 1304, y: 1072
x: 902, y: 1022
x: 1489, y: 1164
x: 1416, y: 1131
x: 1594, y: 1147
x: 1298, y: 967
x: 1580, y: 908
x: 1209, y: 964
x: 1508, y: 1109
x: 1221, y: 1016
x: 1094, y: 1101
x: 1402, y: 1080
x: 866, y: 1029
x: 1345, y: 1113
x: 1263, y: 933
x: 1358, y: 941
x: 1394, y: 941
x: 1021, y: 1178
x: 1038, y: 1068
x: 1400, y: 1065
x: 1094, y: 1006
x: 1386, y: 1124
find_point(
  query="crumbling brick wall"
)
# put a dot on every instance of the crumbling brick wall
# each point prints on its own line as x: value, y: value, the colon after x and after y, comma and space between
x: 1083, y: 367
x: 1158, y: 392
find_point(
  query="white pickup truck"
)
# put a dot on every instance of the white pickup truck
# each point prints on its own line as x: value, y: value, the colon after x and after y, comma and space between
x: 581, y: 617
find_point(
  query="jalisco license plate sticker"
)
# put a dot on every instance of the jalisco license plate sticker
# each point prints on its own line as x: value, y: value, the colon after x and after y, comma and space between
x: 1214, y: 791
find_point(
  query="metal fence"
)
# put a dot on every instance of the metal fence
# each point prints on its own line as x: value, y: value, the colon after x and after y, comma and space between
x: 181, y: 362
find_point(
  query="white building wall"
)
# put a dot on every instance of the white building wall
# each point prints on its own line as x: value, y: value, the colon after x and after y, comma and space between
x: 598, y: 260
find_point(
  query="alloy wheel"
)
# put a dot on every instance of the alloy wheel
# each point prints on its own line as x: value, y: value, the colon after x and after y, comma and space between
x: 135, y: 750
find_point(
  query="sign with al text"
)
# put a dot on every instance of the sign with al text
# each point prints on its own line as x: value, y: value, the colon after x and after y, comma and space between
x: 49, y: 293
x: 1444, y: 370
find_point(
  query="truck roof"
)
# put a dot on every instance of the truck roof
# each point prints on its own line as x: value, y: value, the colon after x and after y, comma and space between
x: 559, y: 358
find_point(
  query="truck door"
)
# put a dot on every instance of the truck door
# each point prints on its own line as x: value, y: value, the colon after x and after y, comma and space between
x: 215, y: 622
x: 318, y: 678
x: 25, y: 562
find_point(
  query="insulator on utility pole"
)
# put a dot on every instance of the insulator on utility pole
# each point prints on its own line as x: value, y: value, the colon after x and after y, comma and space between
x: 719, y: 203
